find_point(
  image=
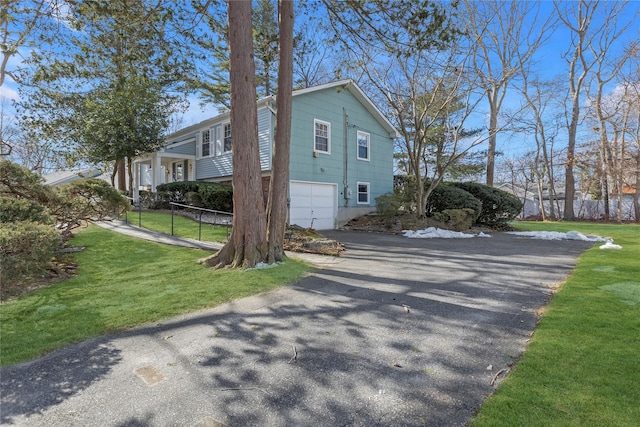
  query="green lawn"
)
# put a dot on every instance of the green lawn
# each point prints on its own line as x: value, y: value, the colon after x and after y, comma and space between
x: 582, y: 367
x: 182, y: 227
x: 123, y: 282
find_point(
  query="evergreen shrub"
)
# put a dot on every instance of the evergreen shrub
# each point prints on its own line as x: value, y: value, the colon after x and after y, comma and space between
x: 457, y: 219
x: 14, y: 210
x: 498, y: 206
x: 446, y: 196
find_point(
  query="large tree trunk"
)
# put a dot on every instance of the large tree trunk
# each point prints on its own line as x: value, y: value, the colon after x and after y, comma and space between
x: 130, y: 175
x: 491, y: 150
x: 636, y: 194
x: 122, y: 175
x: 278, y: 194
x: 570, y: 183
x: 247, y: 245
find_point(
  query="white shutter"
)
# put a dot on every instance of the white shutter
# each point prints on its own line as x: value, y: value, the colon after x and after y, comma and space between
x: 198, y: 147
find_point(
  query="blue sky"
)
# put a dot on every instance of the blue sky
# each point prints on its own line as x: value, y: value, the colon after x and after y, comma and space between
x: 549, y: 57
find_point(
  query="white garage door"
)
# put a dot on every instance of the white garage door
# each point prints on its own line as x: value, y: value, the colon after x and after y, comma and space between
x: 313, y: 205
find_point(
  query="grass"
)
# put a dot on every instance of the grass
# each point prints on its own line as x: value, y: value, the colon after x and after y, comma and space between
x: 182, y: 227
x: 581, y: 367
x: 121, y: 283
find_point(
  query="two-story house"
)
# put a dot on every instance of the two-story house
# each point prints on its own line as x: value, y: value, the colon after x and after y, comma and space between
x: 341, y: 154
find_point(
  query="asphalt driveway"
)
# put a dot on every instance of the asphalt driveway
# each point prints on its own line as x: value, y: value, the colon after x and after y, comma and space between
x: 395, y: 332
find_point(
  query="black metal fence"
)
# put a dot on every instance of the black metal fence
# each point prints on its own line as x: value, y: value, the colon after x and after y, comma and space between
x: 201, y: 215
x: 211, y: 217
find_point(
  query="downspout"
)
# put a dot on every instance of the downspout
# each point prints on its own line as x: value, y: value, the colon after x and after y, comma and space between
x: 345, y: 135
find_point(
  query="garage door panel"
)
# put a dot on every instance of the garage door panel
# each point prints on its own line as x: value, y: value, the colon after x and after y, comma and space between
x: 322, y: 213
x: 313, y: 205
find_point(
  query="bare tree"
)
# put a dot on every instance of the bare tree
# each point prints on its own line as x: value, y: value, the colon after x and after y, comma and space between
x: 505, y: 36
x: 631, y: 108
x: 606, y: 111
x: 429, y: 98
x: 247, y: 244
x: 277, y: 206
x: 618, y: 113
x: 594, y: 28
x: 537, y: 118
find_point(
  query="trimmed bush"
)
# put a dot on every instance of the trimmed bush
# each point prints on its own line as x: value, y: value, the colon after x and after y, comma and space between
x: 457, y: 219
x: 208, y: 195
x: 14, y: 210
x: 26, y: 250
x: 446, y: 197
x: 216, y: 196
x: 498, y: 206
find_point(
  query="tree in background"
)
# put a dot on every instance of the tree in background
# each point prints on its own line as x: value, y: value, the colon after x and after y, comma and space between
x: 609, y: 112
x: 416, y: 69
x: 538, y: 117
x: 505, y: 35
x: 25, y: 24
x: 107, y: 95
x: 208, y: 41
x: 594, y: 28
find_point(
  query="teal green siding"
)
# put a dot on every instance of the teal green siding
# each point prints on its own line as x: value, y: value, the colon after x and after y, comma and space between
x: 330, y: 105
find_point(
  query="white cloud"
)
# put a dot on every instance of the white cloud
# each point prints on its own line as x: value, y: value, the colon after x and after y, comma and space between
x: 7, y: 92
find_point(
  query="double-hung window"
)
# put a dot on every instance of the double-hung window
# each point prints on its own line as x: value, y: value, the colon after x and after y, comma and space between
x: 322, y: 136
x: 206, y: 143
x: 363, y: 192
x: 227, y: 138
x: 364, y: 140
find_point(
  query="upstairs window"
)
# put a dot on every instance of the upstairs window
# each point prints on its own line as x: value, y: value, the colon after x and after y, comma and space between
x: 206, y: 143
x: 363, y: 145
x: 363, y: 193
x: 227, y: 138
x: 322, y: 136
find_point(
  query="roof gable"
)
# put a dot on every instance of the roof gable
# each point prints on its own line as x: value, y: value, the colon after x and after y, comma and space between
x: 346, y: 84
x: 354, y: 89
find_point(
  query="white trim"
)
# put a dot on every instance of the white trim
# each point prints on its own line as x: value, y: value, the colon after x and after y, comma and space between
x: 358, y: 184
x: 224, y: 129
x: 328, y: 125
x: 368, y: 137
x: 202, y: 133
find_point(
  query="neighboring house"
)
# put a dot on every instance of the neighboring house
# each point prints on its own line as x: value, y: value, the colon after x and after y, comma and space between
x: 341, y: 154
x: 65, y: 177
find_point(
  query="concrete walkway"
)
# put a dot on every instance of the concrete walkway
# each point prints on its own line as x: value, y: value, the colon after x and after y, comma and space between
x: 396, y: 332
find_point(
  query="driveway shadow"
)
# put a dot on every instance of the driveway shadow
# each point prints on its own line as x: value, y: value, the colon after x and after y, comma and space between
x: 34, y: 387
x: 396, y: 332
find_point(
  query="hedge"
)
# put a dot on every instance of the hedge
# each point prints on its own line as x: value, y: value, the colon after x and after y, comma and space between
x: 209, y: 195
x: 498, y: 206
